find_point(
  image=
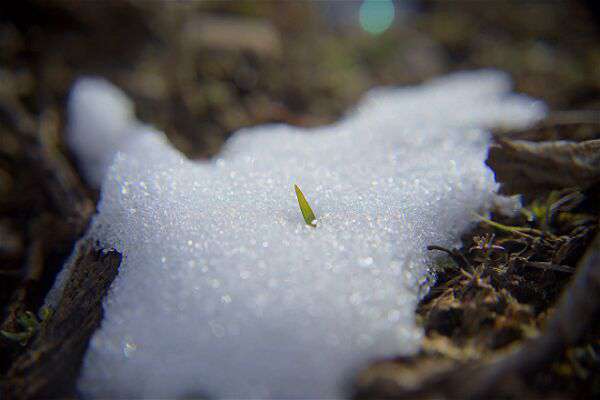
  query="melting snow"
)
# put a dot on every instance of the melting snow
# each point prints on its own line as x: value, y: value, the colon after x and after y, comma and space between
x: 225, y: 291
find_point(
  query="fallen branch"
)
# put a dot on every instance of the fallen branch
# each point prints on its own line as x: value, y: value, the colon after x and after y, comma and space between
x: 50, y: 366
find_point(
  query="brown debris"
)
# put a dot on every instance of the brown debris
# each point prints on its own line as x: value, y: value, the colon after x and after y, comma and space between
x: 232, y: 34
x: 528, y: 168
x: 501, y: 375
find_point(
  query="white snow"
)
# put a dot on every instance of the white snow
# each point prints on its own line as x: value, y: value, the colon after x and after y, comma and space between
x: 225, y: 291
x: 105, y: 114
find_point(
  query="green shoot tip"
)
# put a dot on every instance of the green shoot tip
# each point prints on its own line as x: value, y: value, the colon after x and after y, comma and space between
x: 307, y: 212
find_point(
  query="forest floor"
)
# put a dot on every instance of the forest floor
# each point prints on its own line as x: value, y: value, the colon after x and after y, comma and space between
x: 200, y: 71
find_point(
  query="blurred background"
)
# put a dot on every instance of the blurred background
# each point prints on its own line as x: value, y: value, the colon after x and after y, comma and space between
x: 199, y: 70
x: 202, y: 69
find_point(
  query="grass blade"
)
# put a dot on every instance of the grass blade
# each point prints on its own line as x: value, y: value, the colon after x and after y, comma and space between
x: 307, y: 212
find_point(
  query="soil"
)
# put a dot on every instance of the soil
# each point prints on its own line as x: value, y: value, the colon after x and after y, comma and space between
x: 199, y: 71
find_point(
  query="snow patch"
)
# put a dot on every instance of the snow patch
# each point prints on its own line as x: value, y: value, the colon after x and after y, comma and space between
x: 224, y: 290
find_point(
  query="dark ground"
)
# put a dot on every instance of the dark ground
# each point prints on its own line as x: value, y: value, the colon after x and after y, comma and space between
x: 199, y: 71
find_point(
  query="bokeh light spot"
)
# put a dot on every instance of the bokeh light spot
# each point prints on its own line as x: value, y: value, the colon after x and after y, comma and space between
x: 375, y: 16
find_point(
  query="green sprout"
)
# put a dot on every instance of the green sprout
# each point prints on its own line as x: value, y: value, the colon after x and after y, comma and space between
x: 517, y: 230
x: 30, y: 325
x: 307, y: 212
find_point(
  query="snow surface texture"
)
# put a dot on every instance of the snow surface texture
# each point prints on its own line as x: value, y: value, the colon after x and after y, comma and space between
x: 225, y: 291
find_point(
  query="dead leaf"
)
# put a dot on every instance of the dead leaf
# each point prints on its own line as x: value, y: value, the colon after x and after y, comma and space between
x: 535, y: 167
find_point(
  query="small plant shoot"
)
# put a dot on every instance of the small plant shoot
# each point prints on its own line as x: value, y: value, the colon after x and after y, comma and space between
x: 30, y: 325
x: 307, y: 212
